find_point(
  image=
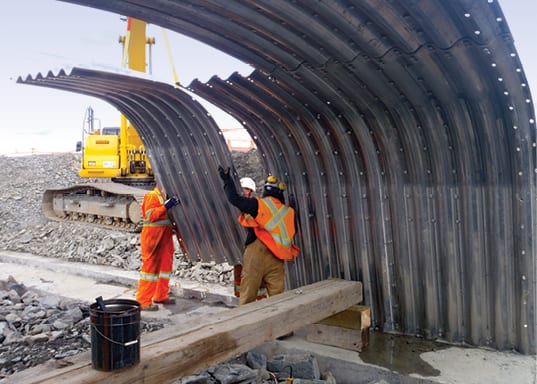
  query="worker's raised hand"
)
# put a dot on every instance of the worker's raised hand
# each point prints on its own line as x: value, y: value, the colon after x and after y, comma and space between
x: 171, y: 202
x: 224, y: 172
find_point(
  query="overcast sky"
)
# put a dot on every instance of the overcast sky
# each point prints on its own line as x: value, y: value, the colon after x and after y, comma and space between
x: 42, y: 35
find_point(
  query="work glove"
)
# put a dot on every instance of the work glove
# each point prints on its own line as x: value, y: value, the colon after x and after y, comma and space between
x: 224, y: 173
x: 171, y: 202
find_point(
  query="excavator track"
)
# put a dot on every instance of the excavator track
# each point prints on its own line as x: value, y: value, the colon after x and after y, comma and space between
x: 110, y: 205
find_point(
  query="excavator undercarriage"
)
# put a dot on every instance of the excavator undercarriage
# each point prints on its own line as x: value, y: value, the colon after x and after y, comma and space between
x: 110, y: 205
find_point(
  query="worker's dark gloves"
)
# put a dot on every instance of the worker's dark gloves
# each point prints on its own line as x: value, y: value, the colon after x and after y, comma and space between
x: 171, y: 202
x: 224, y: 173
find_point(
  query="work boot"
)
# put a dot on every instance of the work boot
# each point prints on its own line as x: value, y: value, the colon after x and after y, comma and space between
x: 168, y: 301
x: 151, y: 307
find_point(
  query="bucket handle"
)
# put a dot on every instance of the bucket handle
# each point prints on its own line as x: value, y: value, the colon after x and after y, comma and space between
x: 126, y: 344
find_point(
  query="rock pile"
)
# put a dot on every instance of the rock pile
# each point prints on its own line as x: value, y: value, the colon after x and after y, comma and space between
x: 36, y: 327
x: 252, y: 367
x: 26, y: 229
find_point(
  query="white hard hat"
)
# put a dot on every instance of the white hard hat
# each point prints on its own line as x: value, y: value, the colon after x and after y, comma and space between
x: 247, y: 182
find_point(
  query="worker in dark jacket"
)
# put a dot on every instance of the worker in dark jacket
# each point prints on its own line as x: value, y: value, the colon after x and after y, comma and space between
x: 269, y: 243
x: 248, y: 190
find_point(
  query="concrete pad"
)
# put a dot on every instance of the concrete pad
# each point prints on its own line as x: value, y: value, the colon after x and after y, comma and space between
x: 453, y: 365
x: 478, y: 366
x: 386, y: 361
x: 62, y: 283
x: 85, y: 282
x: 106, y: 275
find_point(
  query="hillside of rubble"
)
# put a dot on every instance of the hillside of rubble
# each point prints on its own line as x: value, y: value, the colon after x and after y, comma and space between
x: 26, y: 229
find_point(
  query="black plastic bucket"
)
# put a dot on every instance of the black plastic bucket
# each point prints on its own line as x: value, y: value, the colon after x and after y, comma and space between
x: 115, y: 334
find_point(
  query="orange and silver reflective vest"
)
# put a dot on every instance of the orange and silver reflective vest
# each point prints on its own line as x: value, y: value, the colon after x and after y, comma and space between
x: 274, y: 226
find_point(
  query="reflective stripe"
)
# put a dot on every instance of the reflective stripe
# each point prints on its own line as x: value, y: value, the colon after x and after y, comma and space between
x: 160, y: 223
x: 152, y: 277
x: 148, y: 213
x: 277, y: 221
x: 165, y: 275
x: 148, y: 276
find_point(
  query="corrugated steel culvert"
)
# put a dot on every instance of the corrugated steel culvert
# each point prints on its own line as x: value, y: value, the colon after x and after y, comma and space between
x: 405, y: 131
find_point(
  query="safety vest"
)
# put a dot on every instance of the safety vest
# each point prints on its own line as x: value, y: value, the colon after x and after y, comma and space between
x: 274, y: 226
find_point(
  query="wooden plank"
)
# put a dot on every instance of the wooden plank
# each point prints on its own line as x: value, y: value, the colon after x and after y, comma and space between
x: 355, y: 317
x: 346, y: 338
x: 348, y: 329
x: 178, y: 351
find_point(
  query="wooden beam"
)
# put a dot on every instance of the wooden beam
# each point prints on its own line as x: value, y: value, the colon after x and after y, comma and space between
x: 345, y: 338
x: 181, y: 350
x: 348, y: 329
x: 355, y: 317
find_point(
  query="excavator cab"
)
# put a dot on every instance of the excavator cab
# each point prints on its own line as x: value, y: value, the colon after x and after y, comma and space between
x: 116, y: 153
x: 101, y: 157
x: 110, y: 131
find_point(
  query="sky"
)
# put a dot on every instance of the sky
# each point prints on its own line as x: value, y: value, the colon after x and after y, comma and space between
x: 43, y: 35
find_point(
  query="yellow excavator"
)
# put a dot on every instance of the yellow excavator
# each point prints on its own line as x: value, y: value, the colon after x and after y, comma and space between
x: 113, y: 153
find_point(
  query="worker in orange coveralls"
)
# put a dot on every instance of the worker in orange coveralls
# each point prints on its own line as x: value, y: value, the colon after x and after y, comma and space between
x: 156, y: 241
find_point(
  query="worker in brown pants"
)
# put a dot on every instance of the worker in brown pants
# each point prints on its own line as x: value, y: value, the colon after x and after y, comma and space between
x: 248, y: 190
x: 271, y: 227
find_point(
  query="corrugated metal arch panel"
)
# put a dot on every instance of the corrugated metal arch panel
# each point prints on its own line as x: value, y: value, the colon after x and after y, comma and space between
x: 185, y: 148
x: 438, y: 263
x: 432, y: 204
x: 330, y: 186
x: 447, y: 200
